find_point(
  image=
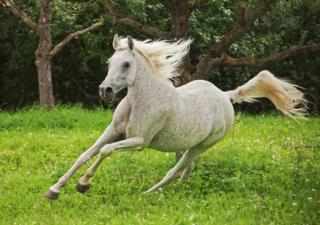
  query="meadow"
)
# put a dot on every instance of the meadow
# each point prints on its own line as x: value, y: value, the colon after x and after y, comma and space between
x: 266, y: 171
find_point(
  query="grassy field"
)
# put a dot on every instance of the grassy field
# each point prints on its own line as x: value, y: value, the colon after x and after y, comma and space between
x: 267, y: 171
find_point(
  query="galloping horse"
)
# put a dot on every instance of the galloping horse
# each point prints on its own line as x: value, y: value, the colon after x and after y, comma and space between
x: 155, y: 114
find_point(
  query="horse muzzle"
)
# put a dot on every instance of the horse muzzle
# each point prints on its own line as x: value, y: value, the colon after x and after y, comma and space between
x: 106, y: 93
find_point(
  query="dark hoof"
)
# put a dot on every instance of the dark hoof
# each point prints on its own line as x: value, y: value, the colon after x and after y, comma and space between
x: 83, y: 188
x: 52, y: 195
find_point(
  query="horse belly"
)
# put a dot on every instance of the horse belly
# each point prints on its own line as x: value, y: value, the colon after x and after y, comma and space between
x: 179, y: 135
x: 165, y: 142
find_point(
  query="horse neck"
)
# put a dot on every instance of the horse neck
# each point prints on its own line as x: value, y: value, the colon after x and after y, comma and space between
x: 149, y: 86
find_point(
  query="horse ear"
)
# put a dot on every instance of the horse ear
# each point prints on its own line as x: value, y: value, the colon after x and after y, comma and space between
x: 130, y: 43
x: 115, y: 42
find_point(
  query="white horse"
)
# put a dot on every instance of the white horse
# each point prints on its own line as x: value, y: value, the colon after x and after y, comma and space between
x: 155, y: 114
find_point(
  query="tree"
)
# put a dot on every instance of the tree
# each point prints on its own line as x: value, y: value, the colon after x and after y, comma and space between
x: 45, y: 52
x: 218, y: 55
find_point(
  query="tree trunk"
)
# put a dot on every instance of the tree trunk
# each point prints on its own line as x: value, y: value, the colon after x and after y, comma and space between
x: 42, y: 59
x: 202, y: 70
x: 180, y: 11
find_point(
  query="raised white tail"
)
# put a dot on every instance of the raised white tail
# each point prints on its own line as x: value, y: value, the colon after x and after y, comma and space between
x: 284, y: 95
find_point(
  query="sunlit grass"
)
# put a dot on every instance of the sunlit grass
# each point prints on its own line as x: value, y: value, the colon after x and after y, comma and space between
x: 267, y: 171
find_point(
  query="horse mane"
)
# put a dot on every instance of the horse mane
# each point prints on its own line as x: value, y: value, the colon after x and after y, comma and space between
x: 164, y: 56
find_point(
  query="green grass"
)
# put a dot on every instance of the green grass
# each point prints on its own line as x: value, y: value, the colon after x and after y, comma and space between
x: 267, y: 171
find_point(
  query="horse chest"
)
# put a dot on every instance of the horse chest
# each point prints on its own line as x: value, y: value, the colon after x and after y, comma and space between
x: 145, y: 123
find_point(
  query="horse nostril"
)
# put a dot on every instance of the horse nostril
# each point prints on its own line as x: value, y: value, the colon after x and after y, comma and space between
x: 109, y: 90
x: 105, y: 92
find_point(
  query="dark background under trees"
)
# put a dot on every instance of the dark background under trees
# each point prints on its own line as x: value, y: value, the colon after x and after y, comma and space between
x: 281, y: 27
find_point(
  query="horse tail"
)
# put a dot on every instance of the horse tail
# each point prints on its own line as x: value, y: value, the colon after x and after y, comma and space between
x: 284, y: 95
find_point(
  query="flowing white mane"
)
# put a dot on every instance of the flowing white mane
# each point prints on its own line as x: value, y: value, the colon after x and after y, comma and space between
x: 164, y: 56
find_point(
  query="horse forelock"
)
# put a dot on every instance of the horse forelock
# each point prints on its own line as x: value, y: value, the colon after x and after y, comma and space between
x: 164, y: 56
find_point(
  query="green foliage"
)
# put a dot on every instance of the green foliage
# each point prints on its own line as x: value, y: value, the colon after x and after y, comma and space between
x: 265, y: 172
x: 80, y: 66
x: 285, y: 25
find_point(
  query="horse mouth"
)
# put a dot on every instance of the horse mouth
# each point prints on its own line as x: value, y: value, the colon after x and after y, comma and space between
x: 107, y: 98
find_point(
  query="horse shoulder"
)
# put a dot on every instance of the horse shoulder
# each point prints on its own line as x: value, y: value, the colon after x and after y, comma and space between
x: 121, y: 116
x: 146, y: 123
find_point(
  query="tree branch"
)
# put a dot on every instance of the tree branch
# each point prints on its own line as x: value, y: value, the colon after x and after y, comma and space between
x: 19, y: 13
x: 226, y: 60
x: 74, y: 35
x: 244, y: 25
x: 128, y: 21
x: 84, y: 92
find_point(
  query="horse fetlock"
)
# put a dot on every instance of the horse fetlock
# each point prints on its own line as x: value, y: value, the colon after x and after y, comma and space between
x: 89, y: 173
x: 85, y: 179
x: 62, y: 181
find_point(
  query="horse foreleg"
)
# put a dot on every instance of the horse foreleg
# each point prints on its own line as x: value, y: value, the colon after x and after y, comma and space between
x: 186, y: 159
x: 109, y: 135
x: 131, y: 144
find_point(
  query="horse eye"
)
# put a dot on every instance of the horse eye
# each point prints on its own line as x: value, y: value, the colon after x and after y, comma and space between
x: 126, y: 65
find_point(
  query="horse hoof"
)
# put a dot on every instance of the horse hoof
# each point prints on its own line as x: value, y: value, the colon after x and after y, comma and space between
x: 82, y: 188
x: 52, y: 195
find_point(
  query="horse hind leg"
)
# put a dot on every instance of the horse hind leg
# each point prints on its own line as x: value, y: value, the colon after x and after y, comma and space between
x: 186, y: 160
x: 186, y: 172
